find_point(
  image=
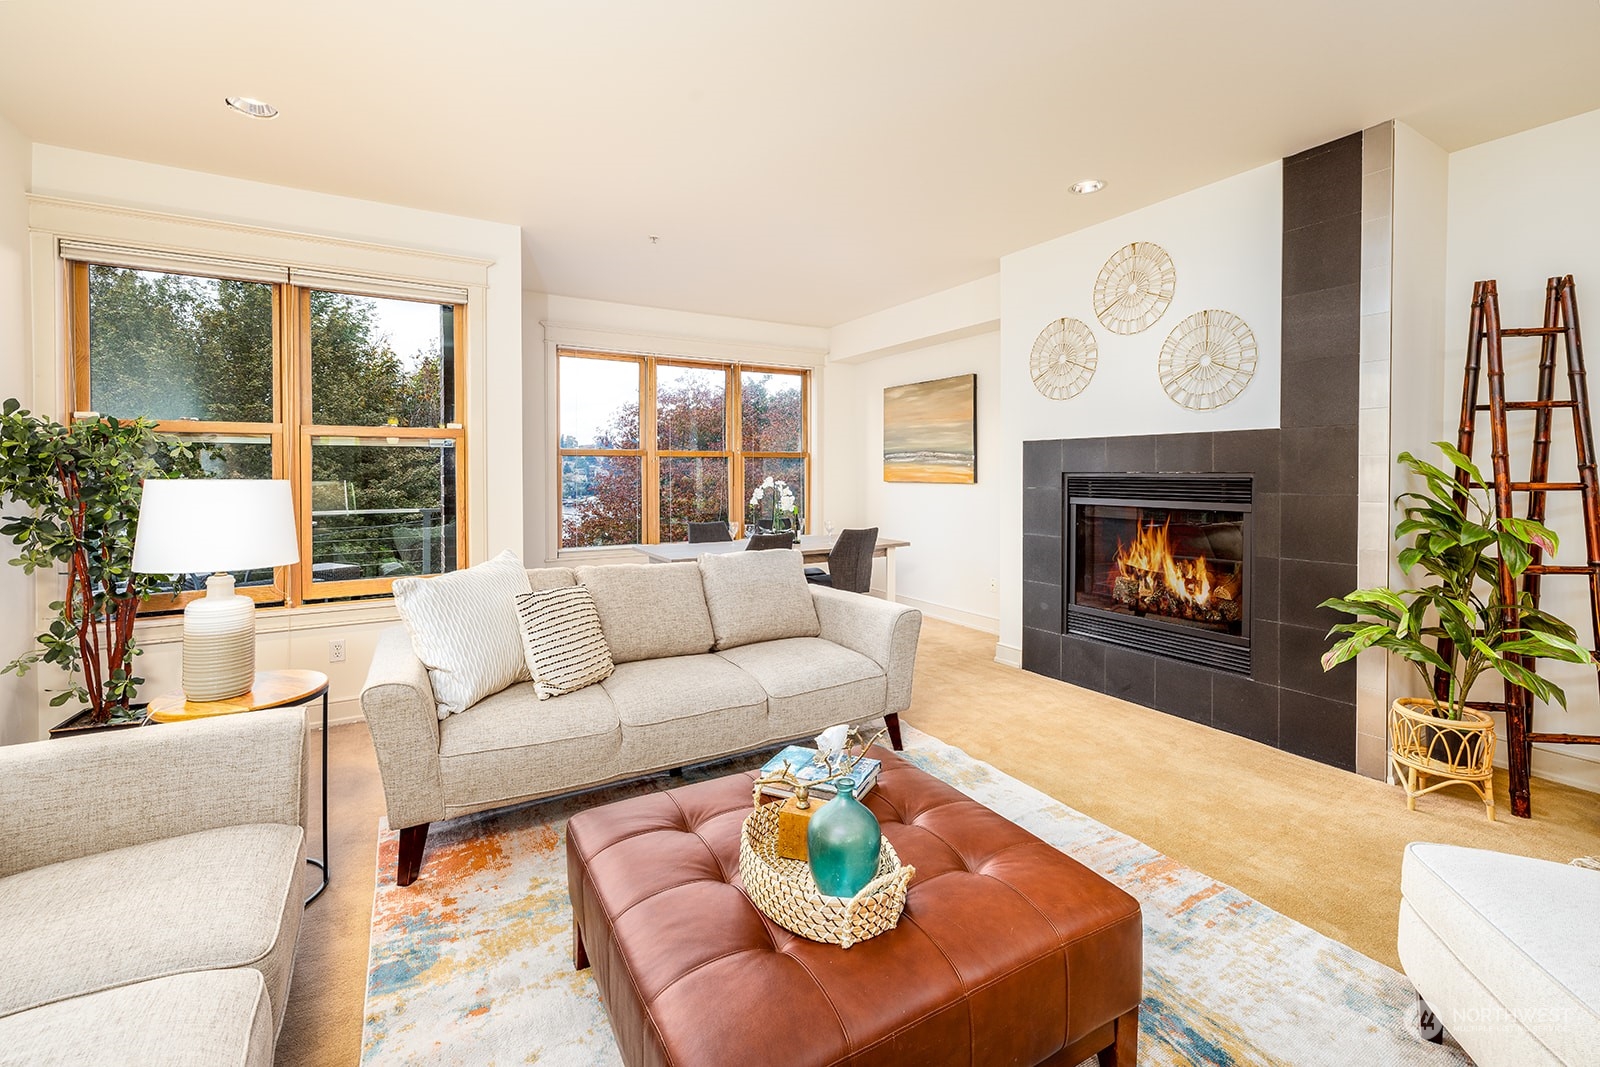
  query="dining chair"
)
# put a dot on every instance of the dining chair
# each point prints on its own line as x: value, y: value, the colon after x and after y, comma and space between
x: 849, y: 562
x: 761, y: 542
x: 703, y: 532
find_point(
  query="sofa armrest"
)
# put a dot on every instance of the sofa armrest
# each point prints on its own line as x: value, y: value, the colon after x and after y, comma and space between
x: 404, y: 721
x: 63, y: 799
x: 883, y: 632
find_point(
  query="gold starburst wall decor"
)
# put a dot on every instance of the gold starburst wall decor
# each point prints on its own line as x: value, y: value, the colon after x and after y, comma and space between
x: 1134, y: 288
x: 1207, y: 360
x: 1063, y: 359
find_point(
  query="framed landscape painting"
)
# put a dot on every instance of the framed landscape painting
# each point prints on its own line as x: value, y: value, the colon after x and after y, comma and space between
x: 930, y: 431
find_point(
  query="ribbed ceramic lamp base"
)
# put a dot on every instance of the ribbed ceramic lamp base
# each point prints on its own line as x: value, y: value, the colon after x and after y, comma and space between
x: 219, y: 643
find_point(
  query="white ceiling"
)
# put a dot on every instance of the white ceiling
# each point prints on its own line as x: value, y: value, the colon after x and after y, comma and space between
x: 803, y: 163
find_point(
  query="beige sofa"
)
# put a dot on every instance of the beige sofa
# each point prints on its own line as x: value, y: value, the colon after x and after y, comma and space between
x: 661, y: 709
x: 150, y: 892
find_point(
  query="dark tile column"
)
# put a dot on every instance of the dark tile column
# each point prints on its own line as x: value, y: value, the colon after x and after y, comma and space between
x: 1317, y: 455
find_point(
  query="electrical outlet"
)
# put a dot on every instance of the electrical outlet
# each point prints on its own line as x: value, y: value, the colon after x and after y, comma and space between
x: 336, y: 651
x: 994, y: 585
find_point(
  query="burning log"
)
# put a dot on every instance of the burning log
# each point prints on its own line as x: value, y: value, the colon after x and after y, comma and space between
x: 1146, y: 594
x: 1149, y: 579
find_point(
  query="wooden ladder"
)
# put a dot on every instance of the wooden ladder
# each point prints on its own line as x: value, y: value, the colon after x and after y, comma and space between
x: 1485, y: 352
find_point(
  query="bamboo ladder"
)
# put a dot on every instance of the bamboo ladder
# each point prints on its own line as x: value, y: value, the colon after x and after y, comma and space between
x: 1485, y: 352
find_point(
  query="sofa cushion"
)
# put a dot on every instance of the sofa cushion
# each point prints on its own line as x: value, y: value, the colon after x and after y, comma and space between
x: 811, y: 684
x: 512, y: 745
x: 651, y: 610
x: 1477, y: 903
x: 200, y: 1019
x: 229, y: 897
x: 685, y: 709
x: 561, y: 636
x: 550, y: 578
x: 464, y: 629
x: 757, y: 596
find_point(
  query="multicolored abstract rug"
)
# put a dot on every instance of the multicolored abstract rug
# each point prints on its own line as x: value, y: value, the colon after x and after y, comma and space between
x: 471, y: 965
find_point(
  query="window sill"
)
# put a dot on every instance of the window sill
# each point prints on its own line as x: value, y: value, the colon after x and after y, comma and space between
x: 168, y: 629
x: 597, y: 554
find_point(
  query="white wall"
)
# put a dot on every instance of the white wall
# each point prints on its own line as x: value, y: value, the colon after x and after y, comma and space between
x: 1226, y: 241
x: 495, y: 394
x: 948, y: 569
x: 1522, y: 209
x: 17, y: 696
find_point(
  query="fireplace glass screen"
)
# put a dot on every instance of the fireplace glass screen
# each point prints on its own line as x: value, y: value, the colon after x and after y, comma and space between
x: 1184, y: 567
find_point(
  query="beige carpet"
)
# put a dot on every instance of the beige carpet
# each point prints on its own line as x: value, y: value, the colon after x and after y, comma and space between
x: 1320, y: 845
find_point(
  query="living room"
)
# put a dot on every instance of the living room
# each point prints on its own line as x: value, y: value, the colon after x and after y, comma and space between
x: 1222, y: 265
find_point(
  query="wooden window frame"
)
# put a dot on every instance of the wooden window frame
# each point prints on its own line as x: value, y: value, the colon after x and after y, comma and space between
x: 290, y: 435
x: 650, y: 454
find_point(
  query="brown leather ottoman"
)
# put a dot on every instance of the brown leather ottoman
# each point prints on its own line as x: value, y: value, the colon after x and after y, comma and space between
x: 1008, y: 952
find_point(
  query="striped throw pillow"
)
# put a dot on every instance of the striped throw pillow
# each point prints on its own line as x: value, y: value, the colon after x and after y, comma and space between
x: 562, y: 640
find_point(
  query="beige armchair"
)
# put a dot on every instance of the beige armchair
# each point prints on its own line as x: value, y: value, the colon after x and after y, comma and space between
x: 150, y: 891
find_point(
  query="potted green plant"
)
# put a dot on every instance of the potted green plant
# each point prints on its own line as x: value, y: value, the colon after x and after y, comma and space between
x: 81, y: 486
x: 1454, y: 625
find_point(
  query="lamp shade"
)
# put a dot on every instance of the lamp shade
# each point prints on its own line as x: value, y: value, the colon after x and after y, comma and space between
x: 193, y: 525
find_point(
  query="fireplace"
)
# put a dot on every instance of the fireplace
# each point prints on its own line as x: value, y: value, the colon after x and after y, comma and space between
x: 1161, y: 563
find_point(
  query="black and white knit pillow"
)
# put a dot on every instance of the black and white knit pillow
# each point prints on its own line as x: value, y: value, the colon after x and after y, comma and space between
x: 562, y: 639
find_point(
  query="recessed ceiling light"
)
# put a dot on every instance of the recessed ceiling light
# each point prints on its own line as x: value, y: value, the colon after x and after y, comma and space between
x: 249, y: 105
x: 1087, y: 186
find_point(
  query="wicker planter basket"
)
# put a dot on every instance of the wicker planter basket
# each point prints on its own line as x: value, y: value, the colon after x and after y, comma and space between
x: 786, y: 893
x: 1424, y: 745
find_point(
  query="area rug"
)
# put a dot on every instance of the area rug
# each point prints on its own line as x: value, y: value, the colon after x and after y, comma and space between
x: 472, y: 965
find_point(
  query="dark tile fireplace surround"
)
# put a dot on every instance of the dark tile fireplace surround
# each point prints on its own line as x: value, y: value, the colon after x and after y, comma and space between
x: 1303, y: 512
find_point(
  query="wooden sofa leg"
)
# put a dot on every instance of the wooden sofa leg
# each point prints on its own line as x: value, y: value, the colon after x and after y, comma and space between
x: 412, y: 838
x: 893, y: 723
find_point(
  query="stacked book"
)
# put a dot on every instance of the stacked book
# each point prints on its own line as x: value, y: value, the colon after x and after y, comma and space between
x: 804, y: 765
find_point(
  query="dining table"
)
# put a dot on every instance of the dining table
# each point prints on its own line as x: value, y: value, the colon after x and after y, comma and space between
x: 813, y: 547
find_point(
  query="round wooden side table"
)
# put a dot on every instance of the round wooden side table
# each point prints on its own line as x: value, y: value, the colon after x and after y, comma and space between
x: 271, y: 689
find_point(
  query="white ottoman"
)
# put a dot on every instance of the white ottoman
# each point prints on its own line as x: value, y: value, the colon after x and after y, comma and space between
x: 1506, y: 951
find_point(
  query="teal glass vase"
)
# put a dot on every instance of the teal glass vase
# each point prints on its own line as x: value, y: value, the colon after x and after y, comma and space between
x: 843, y: 843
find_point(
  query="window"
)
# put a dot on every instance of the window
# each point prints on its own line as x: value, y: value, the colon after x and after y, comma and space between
x: 649, y: 445
x: 350, y: 396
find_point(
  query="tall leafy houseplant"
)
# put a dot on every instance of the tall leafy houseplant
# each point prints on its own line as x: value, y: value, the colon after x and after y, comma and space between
x: 81, y: 487
x: 1454, y: 625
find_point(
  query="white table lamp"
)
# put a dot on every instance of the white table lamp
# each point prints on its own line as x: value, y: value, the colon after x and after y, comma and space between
x: 189, y: 526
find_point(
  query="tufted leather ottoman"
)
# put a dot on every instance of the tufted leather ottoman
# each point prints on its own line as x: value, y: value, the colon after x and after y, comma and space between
x: 1008, y: 951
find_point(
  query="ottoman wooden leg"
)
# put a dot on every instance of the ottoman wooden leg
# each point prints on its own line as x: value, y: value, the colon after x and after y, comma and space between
x: 1124, y: 1051
x: 580, y: 957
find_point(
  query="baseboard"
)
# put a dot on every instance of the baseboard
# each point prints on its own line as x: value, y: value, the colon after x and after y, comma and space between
x: 1007, y: 655
x: 340, y: 713
x: 970, y: 619
x: 1577, y: 771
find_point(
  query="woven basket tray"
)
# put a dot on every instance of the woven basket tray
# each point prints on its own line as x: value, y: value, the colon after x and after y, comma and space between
x: 787, y: 894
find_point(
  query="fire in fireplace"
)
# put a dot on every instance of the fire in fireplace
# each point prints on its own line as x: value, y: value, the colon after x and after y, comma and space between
x: 1160, y: 563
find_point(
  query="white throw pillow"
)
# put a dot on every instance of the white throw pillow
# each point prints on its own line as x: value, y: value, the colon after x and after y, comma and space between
x: 464, y: 629
x: 566, y: 649
x: 758, y: 596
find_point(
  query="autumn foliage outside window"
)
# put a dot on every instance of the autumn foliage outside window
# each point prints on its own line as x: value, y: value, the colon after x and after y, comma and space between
x: 649, y: 445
